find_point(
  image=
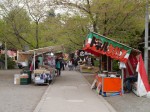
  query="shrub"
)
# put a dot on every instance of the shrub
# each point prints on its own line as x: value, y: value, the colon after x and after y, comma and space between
x: 10, y: 63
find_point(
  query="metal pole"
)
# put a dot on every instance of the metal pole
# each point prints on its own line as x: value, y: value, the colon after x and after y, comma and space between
x: 34, y: 60
x: 146, y: 38
x: 42, y: 59
x: 111, y: 64
x: 107, y: 63
x: 101, y: 62
x: 122, y: 80
x: 5, y: 56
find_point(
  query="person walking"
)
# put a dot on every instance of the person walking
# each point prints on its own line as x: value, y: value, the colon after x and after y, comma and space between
x: 62, y: 64
x: 71, y: 64
x: 58, y: 66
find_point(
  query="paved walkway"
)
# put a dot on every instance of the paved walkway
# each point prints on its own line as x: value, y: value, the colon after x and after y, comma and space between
x: 71, y: 93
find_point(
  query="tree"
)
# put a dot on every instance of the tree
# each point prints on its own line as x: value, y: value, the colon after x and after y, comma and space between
x: 112, y: 18
x: 49, y: 29
x: 84, y: 7
x: 15, y: 27
x: 74, y: 32
x: 37, y: 11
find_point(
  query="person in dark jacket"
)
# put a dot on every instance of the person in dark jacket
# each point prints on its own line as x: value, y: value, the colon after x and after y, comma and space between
x: 129, y: 81
x: 37, y: 64
x: 58, y: 66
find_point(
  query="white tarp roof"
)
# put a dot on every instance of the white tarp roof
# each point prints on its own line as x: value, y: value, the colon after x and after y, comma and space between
x: 53, y: 49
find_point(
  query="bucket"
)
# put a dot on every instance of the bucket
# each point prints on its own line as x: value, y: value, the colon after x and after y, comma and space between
x: 17, y: 79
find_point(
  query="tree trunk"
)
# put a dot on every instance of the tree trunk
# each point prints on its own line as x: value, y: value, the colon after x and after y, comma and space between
x: 36, y: 34
x: 95, y: 26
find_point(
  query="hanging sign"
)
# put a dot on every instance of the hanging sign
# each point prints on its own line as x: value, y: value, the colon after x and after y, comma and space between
x: 81, y: 54
x: 102, y: 45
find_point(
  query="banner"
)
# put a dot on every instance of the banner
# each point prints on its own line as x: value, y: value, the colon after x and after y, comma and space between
x: 98, y: 44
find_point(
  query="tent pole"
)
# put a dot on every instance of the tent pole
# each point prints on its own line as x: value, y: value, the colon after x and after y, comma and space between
x: 101, y: 62
x: 107, y: 63
x: 34, y: 60
x: 42, y: 59
x: 111, y: 64
x: 122, y: 70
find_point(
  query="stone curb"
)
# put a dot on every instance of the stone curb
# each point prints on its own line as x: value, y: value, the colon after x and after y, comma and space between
x: 43, y: 98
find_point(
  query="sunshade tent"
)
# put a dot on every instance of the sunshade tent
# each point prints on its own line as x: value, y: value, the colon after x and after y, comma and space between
x: 43, y: 50
x: 101, y: 45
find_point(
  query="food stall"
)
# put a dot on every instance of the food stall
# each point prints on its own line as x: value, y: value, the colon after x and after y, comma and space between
x: 42, y: 55
x: 130, y: 60
x: 85, y: 62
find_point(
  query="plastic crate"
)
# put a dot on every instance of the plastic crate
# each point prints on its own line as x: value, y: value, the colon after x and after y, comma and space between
x: 24, y: 81
x: 29, y: 75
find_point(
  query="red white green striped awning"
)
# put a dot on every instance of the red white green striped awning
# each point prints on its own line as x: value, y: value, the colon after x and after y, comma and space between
x: 98, y: 44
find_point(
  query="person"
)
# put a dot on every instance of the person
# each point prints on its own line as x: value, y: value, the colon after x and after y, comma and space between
x: 129, y: 81
x: 58, y: 66
x: 71, y: 64
x: 76, y: 62
x: 51, y: 62
x: 92, y: 61
x: 63, y: 64
x: 37, y: 64
x: 88, y: 60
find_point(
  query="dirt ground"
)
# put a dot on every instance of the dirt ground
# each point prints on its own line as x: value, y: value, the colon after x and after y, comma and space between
x: 129, y: 102
x: 18, y: 98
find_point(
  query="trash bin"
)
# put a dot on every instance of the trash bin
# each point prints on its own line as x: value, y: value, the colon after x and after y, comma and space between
x: 29, y: 75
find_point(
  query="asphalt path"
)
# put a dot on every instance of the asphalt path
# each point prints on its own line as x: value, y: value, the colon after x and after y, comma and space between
x: 25, y: 98
x: 18, y: 98
x: 128, y: 102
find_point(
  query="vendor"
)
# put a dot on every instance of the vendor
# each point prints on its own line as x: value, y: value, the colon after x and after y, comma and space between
x: 129, y: 81
x: 89, y: 61
x: 37, y: 64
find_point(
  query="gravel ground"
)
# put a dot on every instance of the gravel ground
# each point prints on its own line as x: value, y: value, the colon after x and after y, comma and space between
x: 18, y: 98
x: 129, y: 102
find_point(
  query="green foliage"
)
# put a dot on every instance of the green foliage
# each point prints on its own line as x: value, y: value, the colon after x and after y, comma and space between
x: 120, y: 20
x: 10, y: 63
x: 115, y: 65
x: 74, y: 32
x: 16, y: 28
x: 96, y: 63
x: 117, y: 19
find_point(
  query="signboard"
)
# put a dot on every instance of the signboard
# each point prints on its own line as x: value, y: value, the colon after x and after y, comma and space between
x: 81, y: 54
x: 102, y: 45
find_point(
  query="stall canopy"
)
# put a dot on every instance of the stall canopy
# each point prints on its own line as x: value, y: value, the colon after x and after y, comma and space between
x: 100, y: 45
x: 24, y: 56
x: 44, y: 50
